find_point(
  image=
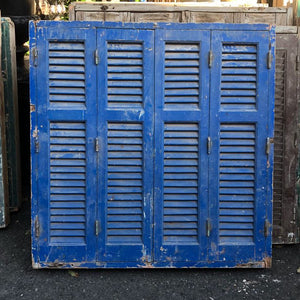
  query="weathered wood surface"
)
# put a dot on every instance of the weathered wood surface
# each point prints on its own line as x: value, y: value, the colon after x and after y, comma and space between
x: 296, y: 13
x: 9, y: 69
x: 4, y: 205
x: 287, y: 29
x: 178, y: 12
x: 285, y: 227
x: 298, y: 137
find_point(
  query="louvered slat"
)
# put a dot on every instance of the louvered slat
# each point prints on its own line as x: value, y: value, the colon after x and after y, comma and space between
x: 67, y: 182
x: 181, y: 76
x: 281, y: 60
x: 125, y: 74
x: 181, y: 183
x: 67, y: 74
x: 237, y: 179
x: 125, y: 183
x: 238, y: 77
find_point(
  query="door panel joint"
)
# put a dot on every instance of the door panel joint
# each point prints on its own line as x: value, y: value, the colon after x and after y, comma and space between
x: 97, y: 147
x: 209, y: 145
x: 34, y: 56
x: 37, y: 227
x: 210, y: 59
x: 97, y: 227
x: 266, y: 228
x: 208, y: 227
x: 268, y: 145
x: 36, y: 144
x: 96, y: 57
x: 269, y: 60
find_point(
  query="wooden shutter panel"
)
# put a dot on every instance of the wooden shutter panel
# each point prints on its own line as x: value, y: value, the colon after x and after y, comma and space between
x: 181, y: 125
x: 239, y: 167
x: 64, y: 145
x: 150, y: 145
x: 285, y: 136
x: 126, y: 90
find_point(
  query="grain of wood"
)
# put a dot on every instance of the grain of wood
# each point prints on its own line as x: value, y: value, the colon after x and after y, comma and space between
x: 178, y: 12
x: 281, y: 19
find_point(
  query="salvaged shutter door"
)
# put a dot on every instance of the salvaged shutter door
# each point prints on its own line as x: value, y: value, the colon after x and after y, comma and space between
x: 126, y: 96
x: 239, y: 165
x: 63, y: 143
x: 285, y: 140
x: 181, y: 130
x: 151, y: 145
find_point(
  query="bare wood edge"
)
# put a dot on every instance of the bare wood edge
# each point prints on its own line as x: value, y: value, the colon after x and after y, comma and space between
x: 287, y: 29
x: 290, y: 16
x: 295, y: 13
x: 72, y: 12
x: 159, y: 7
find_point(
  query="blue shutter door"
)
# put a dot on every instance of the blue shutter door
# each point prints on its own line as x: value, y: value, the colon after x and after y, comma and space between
x: 148, y: 151
x: 126, y: 95
x: 181, y: 130
x: 239, y: 127
x: 65, y: 132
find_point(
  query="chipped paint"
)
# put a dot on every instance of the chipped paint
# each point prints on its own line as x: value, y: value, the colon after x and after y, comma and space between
x: 291, y: 236
x: 35, y: 132
x: 267, y: 262
x: 170, y: 233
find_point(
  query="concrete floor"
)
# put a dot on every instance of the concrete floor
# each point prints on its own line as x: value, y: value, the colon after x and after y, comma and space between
x: 19, y: 281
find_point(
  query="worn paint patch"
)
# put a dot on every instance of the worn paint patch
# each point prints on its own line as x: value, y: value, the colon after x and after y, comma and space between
x: 32, y: 108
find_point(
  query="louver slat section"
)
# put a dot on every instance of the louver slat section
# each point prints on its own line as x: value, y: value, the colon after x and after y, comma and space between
x: 238, y: 77
x: 281, y: 59
x: 181, y: 76
x: 125, y: 74
x: 180, y: 183
x: 67, y: 74
x: 67, y: 182
x: 125, y: 183
x: 237, y: 180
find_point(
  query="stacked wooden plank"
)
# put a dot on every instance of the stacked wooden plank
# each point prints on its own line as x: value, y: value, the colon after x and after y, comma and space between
x: 179, y: 12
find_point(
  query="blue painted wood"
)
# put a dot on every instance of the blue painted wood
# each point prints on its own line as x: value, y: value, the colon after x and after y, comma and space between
x: 65, y: 131
x: 181, y: 130
x: 126, y: 128
x: 153, y: 26
x: 239, y: 133
x: 122, y: 176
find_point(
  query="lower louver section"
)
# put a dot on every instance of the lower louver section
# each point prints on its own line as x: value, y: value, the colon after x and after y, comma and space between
x: 67, y: 182
x: 281, y: 61
x: 125, y: 183
x: 237, y: 180
x: 180, y: 183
